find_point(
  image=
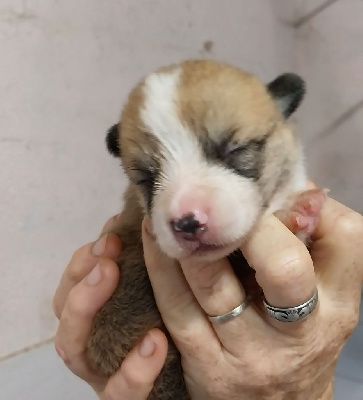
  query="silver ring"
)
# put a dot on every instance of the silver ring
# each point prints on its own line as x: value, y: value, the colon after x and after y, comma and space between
x: 292, y: 314
x: 232, y: 314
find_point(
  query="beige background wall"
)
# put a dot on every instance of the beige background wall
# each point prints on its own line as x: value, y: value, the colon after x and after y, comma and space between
x: 329, y: 54
x: 67, y: 66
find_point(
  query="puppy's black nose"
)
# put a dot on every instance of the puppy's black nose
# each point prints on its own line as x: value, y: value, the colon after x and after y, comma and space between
x: 189, y: 225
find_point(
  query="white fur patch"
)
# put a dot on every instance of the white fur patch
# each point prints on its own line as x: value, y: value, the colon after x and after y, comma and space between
x: 160, y: 116
x: 232, y: 202
x: 298, y: 182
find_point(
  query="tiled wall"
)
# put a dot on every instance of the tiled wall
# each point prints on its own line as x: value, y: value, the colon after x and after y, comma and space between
x: 66, y: 68
x: 329, y: 54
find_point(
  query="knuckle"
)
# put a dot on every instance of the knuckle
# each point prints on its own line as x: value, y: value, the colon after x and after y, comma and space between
x: 56, y: 308
x: 77, y: 255
x: 76, y: 305
x: 134, y: 385
x: 76, y: 271
x: 186, y: 337
x: 111, y: 393
x: 261, y: 376
x: 134, y: 382
x: 351, y: 320
x: 288, y: 267
x: 350, y: 225
x: 112, y: 223
x: 62, y: 353
x: 341, y: 327
x: 216, y: 386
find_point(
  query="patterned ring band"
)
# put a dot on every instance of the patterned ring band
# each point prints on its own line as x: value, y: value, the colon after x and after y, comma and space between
x: 292, y: 314
x: 232, y: 314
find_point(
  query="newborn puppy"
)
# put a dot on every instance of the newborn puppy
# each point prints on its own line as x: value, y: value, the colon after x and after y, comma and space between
x: 208, y: 151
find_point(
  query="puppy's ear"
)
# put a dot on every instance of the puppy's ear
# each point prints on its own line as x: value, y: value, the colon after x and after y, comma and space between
x: 112, y: 141
x: 288, y: 91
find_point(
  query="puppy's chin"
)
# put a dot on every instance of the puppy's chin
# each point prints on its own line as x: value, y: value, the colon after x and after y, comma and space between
x: 203, y: 252
x: 213, y: 253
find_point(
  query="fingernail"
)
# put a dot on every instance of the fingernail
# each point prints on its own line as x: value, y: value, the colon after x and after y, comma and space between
x: 147, y: 346
x: 95, y: 275
x: 99, y: 247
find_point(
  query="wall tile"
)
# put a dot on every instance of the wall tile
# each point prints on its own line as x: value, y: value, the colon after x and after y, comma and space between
x: 304, y: 7
x: 66, y: 69
x: 328, y: 55
x: 335, y: 161
x: 41, y: 374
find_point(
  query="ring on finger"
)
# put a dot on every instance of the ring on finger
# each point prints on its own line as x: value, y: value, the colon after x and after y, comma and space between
x: 292, y: 314
x: 231, y: 314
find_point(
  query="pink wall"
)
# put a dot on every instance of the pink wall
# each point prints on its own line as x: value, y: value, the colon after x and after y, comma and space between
x: 66, y: 69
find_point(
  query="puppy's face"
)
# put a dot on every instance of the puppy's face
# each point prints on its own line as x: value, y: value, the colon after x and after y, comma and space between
x: 207, y: 146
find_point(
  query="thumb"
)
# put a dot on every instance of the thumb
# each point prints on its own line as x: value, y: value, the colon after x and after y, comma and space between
x: 135, y: 379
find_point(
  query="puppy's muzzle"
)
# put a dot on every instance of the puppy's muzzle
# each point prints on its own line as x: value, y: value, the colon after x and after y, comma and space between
x: 188, y: 227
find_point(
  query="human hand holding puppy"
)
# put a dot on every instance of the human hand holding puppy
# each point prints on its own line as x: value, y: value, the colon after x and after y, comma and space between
x: 251, y: 356
x: 254, y: 356
x: 88, y: 282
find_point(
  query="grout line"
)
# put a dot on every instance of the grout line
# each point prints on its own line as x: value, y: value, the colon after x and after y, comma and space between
x: 302, y: 20
x: 340, y: 120
x: 26, y: 349
x: 348, y: 378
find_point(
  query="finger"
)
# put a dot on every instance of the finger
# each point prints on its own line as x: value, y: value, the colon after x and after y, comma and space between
x: 284, y: 269
x: 82, y: 305
x: 81, y: 264
x: 181, y: 313
x: 113, y: 224
x: 310, y: 185
x: 337, y: 249
x: 214, y: 285
x: 135, y: 379
x: 218, y: 291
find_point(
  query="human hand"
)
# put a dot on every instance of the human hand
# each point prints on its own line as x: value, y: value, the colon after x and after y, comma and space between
x: 87, y: 283
x: 254, y: 356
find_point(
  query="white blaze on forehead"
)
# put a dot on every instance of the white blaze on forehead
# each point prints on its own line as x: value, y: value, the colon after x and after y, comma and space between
x: 160, y: 116
x: 191, y: 183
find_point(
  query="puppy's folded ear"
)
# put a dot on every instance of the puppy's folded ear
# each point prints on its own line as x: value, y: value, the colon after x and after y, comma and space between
x: 288, y: 91
x: 112, y: 141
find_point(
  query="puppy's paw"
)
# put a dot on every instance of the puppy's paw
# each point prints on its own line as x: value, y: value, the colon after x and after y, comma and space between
x: 303, y: 212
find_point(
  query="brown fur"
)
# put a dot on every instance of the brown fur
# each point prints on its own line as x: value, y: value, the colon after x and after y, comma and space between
x: 216, y: 98
x: 132, y: 312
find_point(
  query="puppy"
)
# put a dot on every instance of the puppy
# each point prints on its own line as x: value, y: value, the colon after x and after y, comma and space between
x: 207, y: 150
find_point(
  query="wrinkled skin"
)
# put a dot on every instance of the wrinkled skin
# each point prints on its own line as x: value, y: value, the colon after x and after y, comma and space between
x: 253, y: 356
x: 87, y: 283
x: 281, y: 361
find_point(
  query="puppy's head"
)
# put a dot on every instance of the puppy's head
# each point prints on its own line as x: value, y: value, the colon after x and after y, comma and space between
x: 208, y: 149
